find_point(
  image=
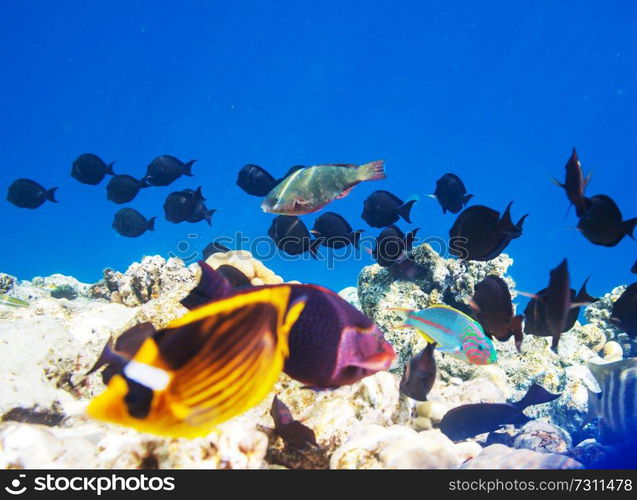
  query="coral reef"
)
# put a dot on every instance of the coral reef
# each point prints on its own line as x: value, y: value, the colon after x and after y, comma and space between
x: 54, y: 341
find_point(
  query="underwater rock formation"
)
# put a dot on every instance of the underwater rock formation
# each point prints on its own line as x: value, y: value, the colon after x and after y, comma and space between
x: 449, y: 281
x: 54, y: 341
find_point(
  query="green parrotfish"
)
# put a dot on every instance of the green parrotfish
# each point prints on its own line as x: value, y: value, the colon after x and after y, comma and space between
x: 310, y: 189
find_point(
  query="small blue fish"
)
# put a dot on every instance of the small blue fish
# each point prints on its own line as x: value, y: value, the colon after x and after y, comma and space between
x: 455, y: 333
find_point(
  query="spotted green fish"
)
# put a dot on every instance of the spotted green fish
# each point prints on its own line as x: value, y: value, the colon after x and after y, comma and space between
x: 455, y: 333
x: 309, y: 189
x: 6, y: 300
x: 616, y: 404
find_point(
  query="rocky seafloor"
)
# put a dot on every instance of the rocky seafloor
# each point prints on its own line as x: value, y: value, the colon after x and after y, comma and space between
x: 48, y: 347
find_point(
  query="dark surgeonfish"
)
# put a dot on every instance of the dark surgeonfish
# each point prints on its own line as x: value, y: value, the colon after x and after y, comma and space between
x: 554, y: 310
x: 213, y: 248
x: 451, y: 193
x: 575, y: 184
x: 382, y: 208
x: 467, y: 421
x: 255, y: 180
x: 480, y: 233
x: 204, y: 368
x: 535, y: 314
x: 334, y: 231
x: 493, y: 308
x: 331, y: 344
x: 603, y: 223
x: 616, y: 404
x: 310, y: 189
x: 291, y: 431
x: 129, y: 222
x: 25, y: 193
x: 634, y: 268
x: 420, y: 374
x: 123, y: 188
x: 624, y: 313
x: 290, y: 235
x: 187, y: 206
x: 91, y: 169
x: 166, y: 169
x: 393, y: 246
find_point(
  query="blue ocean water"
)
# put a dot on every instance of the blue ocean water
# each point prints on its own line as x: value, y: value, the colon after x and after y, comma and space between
x: 497, y: 94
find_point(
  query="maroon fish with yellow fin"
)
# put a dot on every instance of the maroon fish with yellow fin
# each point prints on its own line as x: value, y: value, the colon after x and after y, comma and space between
x: 309, y: 189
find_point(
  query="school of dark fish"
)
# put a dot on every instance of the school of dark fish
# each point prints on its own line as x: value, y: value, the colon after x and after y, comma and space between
x: 224, y: 356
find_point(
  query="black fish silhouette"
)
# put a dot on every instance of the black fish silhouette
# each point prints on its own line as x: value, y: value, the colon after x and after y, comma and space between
x: 25, y: 193
x: 451, y: 193
x: 290, y: 235
x: 393, y: 246
x: 479, y: 233
x: 575, y: 184
x: 213, y: 248
x: 123, y: 188
x: 382, y: 208
x: 624, y: 313
x: 554, y: 310
x: 291, y: 431
x: 420, y: 374
x: 91, y: 169
x: 166, y: 169
x: 603, y: 224
x: 335, y: 231
x: 467, y: 421
x: 130, y: 223
x: 493, y: 309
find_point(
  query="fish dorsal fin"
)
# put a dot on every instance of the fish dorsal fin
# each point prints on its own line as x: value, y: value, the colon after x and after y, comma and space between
x: 536, y: 395
x: 583, y: 297
x: 505, y: 224
x: 212, y: 285
x: 344, y: 165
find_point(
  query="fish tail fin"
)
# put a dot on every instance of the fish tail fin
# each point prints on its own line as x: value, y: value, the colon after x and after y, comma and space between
x: 199, y: 194
x: 405, y: 209
x: 536, y: 395
x: 188, y: 168
x: 407, y: 322
x: 629, y: 227
x: 143, y: 183
x: 208, y: 215
x: 109, y: 168
x: 372, y: 171
x: 150, y: 224
x: 50, y: 194
x: 355, y: 238
x: 583, y: 296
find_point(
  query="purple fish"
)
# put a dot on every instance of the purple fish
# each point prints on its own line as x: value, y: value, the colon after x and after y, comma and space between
x: 331, y: 344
